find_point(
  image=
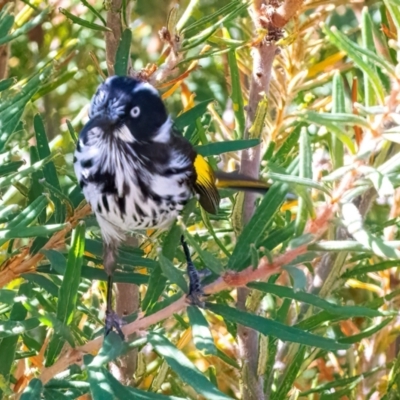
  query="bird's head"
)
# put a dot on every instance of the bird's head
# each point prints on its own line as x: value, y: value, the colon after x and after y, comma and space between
x: 133, y: 108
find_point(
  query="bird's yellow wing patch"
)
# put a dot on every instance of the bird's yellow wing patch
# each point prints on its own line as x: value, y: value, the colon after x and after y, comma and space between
x: 205, y: 185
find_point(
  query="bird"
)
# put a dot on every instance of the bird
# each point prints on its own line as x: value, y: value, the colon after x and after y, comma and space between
x: 138, y: 172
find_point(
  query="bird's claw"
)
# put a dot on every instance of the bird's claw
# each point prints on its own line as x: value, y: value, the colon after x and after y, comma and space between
x: 196, y: 293
x: 113, y: 321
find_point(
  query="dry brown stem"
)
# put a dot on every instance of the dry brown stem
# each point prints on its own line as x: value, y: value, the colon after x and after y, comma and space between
x: 113, y: 37
x: 263, y: 54
x: 25, y: 262
x: 281, y: 16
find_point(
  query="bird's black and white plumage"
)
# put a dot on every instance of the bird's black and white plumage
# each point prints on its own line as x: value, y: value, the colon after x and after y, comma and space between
x: 134, y: 170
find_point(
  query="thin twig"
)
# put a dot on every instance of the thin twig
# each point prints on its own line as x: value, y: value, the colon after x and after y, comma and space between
x: 25, y: 262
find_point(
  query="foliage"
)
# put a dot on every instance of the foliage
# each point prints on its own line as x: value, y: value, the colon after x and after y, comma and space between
x: 327, y: 313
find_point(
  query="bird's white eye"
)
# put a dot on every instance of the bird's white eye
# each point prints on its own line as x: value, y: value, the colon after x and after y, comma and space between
x: 135, y: 112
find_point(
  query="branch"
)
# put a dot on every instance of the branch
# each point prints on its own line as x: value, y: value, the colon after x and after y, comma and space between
x: 263, y: 55
x: 112, y: 38
x: 280, y: 16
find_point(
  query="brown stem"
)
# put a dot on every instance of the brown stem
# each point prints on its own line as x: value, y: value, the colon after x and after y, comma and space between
x: 127, y: 302
x: 127, y: 295
x: 281, y: 16
x: 114, y: 22
x: 269, y: 16
x: 263, y: 56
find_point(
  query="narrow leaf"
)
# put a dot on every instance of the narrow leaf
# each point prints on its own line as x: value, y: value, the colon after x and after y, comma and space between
x: 184, y: 368
x: 123, y: 52
x: 172, y: 273
x: 83, y: 22
x: 283, y: 291
x: 273, y: 328
x: 214, y: 149
x: 202, y: 336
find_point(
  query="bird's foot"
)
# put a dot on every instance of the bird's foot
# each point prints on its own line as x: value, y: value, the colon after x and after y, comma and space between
x: 113, y: 321
x: 196, y: 294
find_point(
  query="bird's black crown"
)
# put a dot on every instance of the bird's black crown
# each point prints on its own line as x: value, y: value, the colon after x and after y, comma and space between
x: 128, y: 102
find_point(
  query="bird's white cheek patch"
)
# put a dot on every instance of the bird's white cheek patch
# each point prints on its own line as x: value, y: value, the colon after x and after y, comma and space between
x: 124, y: 134
x: 164, y: 133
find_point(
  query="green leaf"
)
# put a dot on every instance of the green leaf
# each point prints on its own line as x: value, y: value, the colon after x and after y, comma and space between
x: 202, y: 336
x: 368, y: 43
x: 366, y: 333
x: 191, y: 115
x: 172, y: 273
x: 209, y: 19
x: 52, y: 394
x: 32, y: 231
x: 55, y: 83
x: 283, y: 291
x: 155, y: 288
x: 123, y: 52
x: 341, y: 382
x: 186, y: 371
x: 290, y: 375
x: 8, y: 345
x: 97, y: 377
x: 296, y: 181
x: 214, y: 149
x: 7, y: 83
x: 26, y: 27
x: 104, y: 387
x: 331, y: 121
x: 11, y: 109
x: 305, y: 171
x: 370, y: 268
x: 6, y: 22
x: 57, y: 260
x: 288, y: 147
x: 338, y: 101
x: 132, y: 257
x: 68, y: 293
x: 253, y: 231
x: 394, y: 12
x: 7, y: 180
x: 12, y: 328
x: 43, y: 282
x: 33, y: 391
x: 29, y: 214
x: 12, y: 166
x: 353, y: 221
x: 273, y: 328
x: 49, y: 170
x: 83, y: 22
x: 112, y: 348
x: 354, y: 51
x: 208, y: 258
x: 7, y: 296
x: 92, y: 273
x: 236, y: 96
x: 94, y: 11
x: 69, y: 287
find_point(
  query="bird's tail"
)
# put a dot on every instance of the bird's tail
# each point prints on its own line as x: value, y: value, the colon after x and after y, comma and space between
x: 238, y: 181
